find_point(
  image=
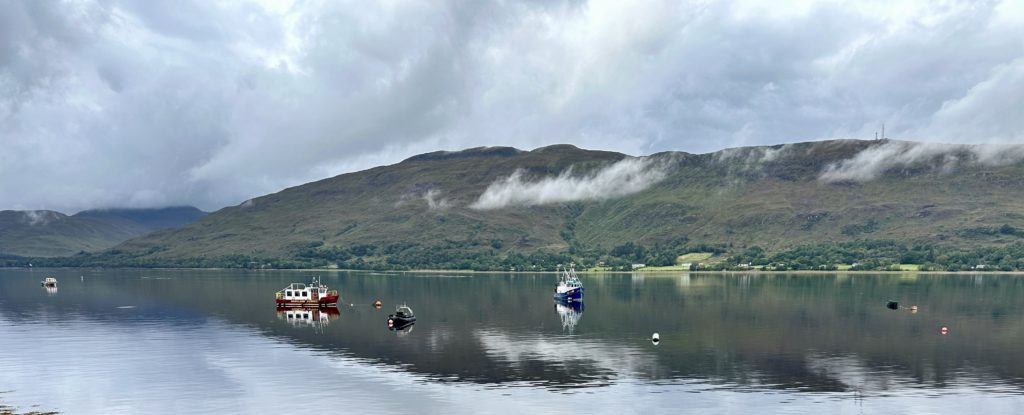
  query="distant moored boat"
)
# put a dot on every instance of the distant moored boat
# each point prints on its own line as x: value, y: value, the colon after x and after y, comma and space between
x: 403, y: 316
x: 569, y: 287
x: 49, y: 282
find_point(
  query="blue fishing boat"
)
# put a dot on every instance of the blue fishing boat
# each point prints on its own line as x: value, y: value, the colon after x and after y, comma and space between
x: 569, y: 287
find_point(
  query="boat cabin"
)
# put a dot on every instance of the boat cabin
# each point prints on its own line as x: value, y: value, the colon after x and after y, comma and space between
x: 301, y: 292
x: 403, y: 312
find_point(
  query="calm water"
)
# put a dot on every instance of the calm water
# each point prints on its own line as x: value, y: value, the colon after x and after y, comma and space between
x: 155, y: 341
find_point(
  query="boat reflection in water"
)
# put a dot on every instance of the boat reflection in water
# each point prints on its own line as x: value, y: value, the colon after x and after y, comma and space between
x: 570, y: 312
x: 315, y: 317
x: 50, y: 289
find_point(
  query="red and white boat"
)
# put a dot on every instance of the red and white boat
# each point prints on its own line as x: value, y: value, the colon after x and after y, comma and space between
x: 300, y: 295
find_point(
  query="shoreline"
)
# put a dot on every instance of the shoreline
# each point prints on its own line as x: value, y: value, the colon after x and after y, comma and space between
x: 588, y: 272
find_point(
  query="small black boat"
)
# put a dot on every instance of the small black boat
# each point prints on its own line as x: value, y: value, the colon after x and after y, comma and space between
x: 403, y: 315
x: 402, y: 329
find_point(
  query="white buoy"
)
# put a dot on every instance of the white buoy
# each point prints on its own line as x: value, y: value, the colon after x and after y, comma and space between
x: 655, y: 338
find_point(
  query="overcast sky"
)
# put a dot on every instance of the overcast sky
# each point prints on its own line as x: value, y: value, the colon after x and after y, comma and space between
x: 153, y: 103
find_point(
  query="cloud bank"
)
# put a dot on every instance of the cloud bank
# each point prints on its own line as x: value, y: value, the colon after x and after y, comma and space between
x: 622, y: 178
x: 872, y: 162
x: 150, y: 103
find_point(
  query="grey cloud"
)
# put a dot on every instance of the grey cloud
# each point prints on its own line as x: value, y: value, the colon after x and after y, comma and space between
x: 872, y: 162
x: 992, y: 110
x: 108, y: 103
x: 755, y: 156
x: 621, y: 178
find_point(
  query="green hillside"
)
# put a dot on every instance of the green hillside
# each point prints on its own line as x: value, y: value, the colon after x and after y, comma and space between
x: 749, y: 203
x: 45, y: 233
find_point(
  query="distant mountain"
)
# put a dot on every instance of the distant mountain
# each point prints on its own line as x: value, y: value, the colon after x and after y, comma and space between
x: 455, y: 209
x: 151, y: 219
x: 46, y: 233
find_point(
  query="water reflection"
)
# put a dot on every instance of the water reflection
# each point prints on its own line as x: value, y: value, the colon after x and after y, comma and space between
x: 776, y: 333
x: 315, y: 317
x: 50, y: 289
x: 570, y: 313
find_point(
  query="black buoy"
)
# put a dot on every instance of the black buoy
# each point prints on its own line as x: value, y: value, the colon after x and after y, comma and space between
x: 892, y: 305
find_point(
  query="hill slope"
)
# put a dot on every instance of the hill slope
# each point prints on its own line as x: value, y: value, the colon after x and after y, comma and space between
x: 437, y: 208
x: 44, y: 233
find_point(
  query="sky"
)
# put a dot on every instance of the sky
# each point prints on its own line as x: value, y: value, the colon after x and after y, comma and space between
x: 209, y: 103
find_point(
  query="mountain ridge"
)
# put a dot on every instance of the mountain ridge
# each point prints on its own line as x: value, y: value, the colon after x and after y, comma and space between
x: 47, y: 233
x: 773, y: 197
x: 501, y: 208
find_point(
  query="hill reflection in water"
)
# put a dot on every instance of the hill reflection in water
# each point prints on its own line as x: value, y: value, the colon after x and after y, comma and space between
x: 140, y: 337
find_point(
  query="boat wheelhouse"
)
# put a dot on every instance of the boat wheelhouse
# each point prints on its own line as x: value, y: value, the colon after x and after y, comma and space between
x: 315, y: 294
x: 569, y: 287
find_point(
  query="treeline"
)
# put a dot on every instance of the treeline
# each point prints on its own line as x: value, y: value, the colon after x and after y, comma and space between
x: 109, y: 260
x: 489, y: 257
x: 398, y: 256
x: 881, y: 255
x: 868, y: 255
x: 448, y: 255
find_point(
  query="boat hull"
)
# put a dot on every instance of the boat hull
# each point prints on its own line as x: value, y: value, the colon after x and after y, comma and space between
x: 394, y: 321
x: 328, y: 301
x: 570, y: 295
x: 402, y: 326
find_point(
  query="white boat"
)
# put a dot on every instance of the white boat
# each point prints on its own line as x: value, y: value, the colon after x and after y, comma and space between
x: 49, y: 282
